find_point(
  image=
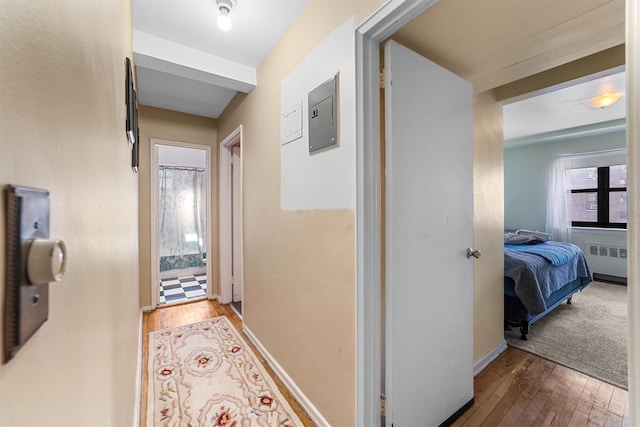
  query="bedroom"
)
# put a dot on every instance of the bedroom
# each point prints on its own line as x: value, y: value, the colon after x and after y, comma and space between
x: 564, y: 130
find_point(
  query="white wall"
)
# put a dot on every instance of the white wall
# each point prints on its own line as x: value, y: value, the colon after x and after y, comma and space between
x: 326, y: 179
x: 182, y: 156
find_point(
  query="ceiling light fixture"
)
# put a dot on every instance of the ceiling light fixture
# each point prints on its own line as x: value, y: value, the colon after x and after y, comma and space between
x: 605, y: 100
x: 224, y: 7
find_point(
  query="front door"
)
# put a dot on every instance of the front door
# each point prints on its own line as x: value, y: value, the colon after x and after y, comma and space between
x: 429, y: 226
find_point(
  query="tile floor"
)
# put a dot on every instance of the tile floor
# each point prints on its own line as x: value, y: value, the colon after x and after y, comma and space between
x: 182, y: 289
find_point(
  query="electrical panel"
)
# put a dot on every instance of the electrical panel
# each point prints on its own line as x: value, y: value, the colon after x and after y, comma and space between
x: 323, y: 116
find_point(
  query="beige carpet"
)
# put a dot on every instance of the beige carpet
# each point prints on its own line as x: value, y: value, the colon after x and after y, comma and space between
x: 204, y: 374
x: 590, y: 335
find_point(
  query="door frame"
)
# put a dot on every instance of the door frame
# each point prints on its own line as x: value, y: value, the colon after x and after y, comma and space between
x: 155, y: 257
x: 632, y: 47
x: 369, y: 329
x: 389, y: 18
x: 225, y: 215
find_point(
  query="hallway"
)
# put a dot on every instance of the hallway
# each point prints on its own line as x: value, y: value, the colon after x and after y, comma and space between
x: 184, y: 314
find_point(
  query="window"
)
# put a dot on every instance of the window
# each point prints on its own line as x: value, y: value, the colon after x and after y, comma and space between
x: 598, y: 196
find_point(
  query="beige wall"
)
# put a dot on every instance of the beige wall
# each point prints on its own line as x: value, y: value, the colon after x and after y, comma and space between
x: 62, y: 117
x: 488, y: 224
x: 299, y: 266
x: 172, y: 126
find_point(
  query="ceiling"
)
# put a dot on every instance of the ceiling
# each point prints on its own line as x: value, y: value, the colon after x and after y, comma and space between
x: 495, y: 43
x: 185, y: 63
x: 566, y: 108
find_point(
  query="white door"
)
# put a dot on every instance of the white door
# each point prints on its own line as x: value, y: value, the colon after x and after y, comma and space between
x: 429, y: 216
x: 236, y: 216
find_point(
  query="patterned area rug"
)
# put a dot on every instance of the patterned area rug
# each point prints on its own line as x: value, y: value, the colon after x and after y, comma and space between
x: 204, y: 374
x: 590, y: 335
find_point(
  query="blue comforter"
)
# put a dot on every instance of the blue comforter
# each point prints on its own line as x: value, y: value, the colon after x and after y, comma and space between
x: 536, y: 278
x: 557, y: 253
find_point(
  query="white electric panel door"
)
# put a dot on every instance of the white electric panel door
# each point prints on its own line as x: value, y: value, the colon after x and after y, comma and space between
x: 429, y: 226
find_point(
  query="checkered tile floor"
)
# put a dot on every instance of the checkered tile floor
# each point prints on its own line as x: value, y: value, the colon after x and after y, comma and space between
x: 182, y: 289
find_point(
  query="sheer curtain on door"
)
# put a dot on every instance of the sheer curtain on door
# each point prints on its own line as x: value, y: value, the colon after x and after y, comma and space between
x: 182, y: 210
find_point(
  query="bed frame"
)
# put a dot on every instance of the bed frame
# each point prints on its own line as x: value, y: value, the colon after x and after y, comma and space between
x: 516, y: 315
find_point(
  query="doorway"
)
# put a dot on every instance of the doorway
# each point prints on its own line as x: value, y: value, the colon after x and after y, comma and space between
x: 230, y: 202
x: 389, y: 18
x: 180, y: 218
x: 587, y: 143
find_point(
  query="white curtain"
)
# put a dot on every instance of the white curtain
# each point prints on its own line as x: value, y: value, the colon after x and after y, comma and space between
x: 559, y: 191
x: 558, y: 201
x: 182, y: 203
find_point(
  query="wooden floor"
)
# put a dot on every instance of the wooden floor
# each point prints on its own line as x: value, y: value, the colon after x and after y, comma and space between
x: 518, y: 389
x: 184, y: 314
x: 521, y: 389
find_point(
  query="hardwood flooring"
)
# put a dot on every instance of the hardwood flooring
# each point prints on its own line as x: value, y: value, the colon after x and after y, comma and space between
x: 184, y: 314
x: 518, y: 389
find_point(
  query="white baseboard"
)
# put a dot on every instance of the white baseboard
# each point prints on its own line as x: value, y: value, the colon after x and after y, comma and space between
x: 295, y: 391
x: 137, y: 403
x: 147, y: 309
x: 489, y: 357
x: 195, y: 271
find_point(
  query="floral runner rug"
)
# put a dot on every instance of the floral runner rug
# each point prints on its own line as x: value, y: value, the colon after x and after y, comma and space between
x: 205, y: 374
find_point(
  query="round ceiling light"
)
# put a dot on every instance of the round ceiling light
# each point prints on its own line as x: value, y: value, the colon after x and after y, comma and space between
x: 605, y: 100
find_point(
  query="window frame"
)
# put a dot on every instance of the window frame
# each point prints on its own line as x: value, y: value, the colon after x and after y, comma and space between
x: 603, y: 192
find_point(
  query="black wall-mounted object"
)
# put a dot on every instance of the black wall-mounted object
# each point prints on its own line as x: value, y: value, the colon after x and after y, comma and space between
x: 135, y: 150
x: 129, y: 94
x: 131, y: 125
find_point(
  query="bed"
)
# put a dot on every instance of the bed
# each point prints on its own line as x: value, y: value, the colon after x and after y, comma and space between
x: 539, y: 275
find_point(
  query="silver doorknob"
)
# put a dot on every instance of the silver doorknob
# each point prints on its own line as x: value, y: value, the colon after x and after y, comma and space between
x: 472, y: 253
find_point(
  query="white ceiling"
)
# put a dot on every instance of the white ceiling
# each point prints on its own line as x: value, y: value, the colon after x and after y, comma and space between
x: 492, y: 43
x: 564, y: 108
x: 185, y: 63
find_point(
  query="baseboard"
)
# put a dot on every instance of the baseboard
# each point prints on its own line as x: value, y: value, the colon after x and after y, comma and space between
x: 295, y: 391
x: 213, y: 297
x: 607, y: 278
x: 489, y: 357
x: 189, y: 271
x: 147, y: 309
x: 138, y: 400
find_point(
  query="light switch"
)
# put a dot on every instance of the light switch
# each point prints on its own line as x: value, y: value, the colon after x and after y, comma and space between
x: 46, y: 261
x: 32, y: 262
x: 291, y: 124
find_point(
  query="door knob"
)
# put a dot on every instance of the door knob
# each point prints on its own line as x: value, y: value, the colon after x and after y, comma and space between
x: 472, y: 253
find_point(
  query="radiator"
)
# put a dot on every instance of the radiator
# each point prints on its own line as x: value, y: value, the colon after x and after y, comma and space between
x: 607, y: 258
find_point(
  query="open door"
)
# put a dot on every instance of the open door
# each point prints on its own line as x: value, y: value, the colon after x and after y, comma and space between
x: 236, y: 193
x: 429, y: 228
x: 230, y: 217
